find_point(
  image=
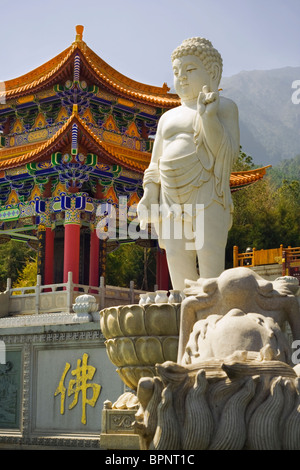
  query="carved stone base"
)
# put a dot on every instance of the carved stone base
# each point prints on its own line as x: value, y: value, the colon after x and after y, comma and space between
x: 117, y: 429
x: 234, y: 404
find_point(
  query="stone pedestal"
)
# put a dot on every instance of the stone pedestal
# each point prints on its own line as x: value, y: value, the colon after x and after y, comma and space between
x: 234, y: 385
x: 137, y: 338
x: 118, y: 430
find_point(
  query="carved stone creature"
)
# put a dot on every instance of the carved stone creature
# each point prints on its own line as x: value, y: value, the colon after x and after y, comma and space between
x: 238, y: 310
x: 234, y: 386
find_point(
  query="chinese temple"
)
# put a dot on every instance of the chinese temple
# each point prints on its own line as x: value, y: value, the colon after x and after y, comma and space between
x: 75, y: 134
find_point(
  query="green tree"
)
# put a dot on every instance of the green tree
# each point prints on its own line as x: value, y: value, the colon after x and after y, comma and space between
x: 288, y: 212
x: 131, y: 262
x: 28, y: 275
x: 13, y: 258
x: 243, y: 162
x: 286, y: 170
x: 265, y: 214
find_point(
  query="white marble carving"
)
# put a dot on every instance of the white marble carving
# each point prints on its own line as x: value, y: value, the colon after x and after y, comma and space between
x: 188, y: 176
x: 239, y: 304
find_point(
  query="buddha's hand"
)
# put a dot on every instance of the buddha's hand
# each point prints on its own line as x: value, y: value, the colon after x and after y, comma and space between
x: 148, y: 210
x: 208, y: 102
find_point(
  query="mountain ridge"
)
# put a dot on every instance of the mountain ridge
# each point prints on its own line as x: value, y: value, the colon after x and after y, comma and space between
x: 269, y: 120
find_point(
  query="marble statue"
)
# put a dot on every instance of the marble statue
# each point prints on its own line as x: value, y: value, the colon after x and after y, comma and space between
x: 188, y: 176
x: 234, y: 384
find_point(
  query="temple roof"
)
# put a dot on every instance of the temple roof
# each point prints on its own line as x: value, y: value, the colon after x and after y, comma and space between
x: 110, y: 153
x: 96, y: 68
x: 240, y: 179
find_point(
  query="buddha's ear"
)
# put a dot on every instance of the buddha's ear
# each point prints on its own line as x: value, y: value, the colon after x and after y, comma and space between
x: 215, y: 75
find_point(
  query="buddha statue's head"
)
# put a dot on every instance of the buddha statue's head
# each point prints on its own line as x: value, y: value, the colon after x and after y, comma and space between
x: 204, y: 50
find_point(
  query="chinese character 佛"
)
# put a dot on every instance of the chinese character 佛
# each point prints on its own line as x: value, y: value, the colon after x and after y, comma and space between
x: 83, y: 373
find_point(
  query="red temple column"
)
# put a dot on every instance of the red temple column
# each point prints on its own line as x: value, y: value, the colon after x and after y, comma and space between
x: 94, y: 259
x: 162, y: 270
x: 72, y: 251
x: 49, y: 256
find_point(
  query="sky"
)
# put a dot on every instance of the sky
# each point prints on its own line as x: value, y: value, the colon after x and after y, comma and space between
x: 137, y: 37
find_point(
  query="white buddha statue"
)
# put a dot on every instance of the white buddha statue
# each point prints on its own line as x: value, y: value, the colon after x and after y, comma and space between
x: 188, y: 176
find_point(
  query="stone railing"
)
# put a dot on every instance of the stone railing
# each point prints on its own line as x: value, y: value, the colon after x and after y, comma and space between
x: 55, y: 298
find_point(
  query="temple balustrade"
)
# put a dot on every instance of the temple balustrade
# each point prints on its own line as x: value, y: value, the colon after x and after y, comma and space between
x: 288, y: 258
x: 55, y: 298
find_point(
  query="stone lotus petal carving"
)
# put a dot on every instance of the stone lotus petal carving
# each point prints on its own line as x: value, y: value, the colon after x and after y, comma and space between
x: 126, y: 350
x: 149, y: 350
x: 140, y: 336
x: 109, y: 323
x: 131, y: 320
x: 170, y: 348
x: 132, y: 375
x: 129, y: 376
x: 161, y: 320
x: 139, y: 320
x: 113, y: 352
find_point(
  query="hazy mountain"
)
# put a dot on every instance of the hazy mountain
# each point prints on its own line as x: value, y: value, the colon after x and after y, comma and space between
x: 269, y: 121
x: 288, y: 169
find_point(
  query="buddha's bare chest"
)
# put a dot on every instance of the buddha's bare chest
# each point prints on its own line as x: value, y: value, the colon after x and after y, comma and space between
x: 179, y: 121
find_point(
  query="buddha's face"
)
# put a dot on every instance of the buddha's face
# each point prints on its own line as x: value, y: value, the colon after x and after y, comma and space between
x: 190, y: 76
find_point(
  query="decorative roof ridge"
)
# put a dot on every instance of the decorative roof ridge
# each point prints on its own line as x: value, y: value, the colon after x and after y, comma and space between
x: 126, y: 85
x: 110, y: 76
x: 250, y: 172
x: 130, y: 157
x: 124, y: 155
x: 11, y: 152
x: 41, y: 74
x: 90, y: 55
x: 240, y: 179
x: 29, y: 156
